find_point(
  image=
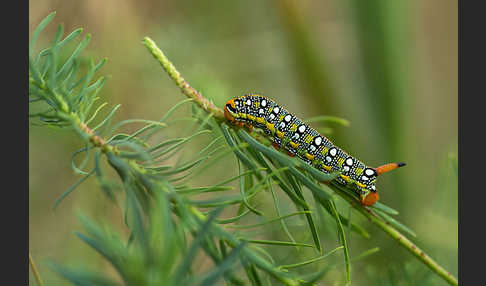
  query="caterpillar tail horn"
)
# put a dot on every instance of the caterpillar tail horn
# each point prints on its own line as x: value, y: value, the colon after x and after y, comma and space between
x: 388, y: 167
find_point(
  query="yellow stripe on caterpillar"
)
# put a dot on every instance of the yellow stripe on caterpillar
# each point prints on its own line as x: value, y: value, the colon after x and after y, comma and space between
x: 308, y: 139
x: 293, y: 128
x: 328, y: 168
x: 346, y: 178
x: 324, y: 150
x: 360, y: 185
x: 271, y: 127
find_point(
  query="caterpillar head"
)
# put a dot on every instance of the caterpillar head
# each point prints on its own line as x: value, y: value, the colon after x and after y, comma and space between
x: 230, y: 111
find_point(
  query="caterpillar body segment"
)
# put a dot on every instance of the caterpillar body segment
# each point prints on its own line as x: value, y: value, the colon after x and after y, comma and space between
x: 290, y: 133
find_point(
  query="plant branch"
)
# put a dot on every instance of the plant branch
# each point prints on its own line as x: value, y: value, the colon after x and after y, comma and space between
x: 402, y: 240
x: 209, y: 107
x: 81, y: 127
x: 34, y: 270
x: 189, y: 91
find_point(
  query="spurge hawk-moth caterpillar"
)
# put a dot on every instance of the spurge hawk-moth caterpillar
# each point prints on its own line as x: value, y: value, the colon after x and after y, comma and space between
x: 290, y: 133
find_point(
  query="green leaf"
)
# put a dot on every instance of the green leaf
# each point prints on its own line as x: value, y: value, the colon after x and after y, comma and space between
x: 95, y: 113
x: 101, y: 249
x: 73, y: 85
x: 137, y: 224
x: 71, y: 189
x: 185, y: 264
x: 243, y: 195
x: 276, y: 242
x: 68, y: 63
x: 233, y: 219
x: 73, y: 164
x: 239, y: 154
x: 38, y: 30
x: 384, y: 208
x: 81, y: 277
x: 395, y: 223
x: 285, y: 160
x: 303, y: 263
x: 342, y: 236
x: 277, y: 210
x: 365, y: 254
x: 328, y: 119
x: 107, y: 118
x: 268, y: 221
x: 35, y: 73
x: 356, y: 228
x: 224, y: 266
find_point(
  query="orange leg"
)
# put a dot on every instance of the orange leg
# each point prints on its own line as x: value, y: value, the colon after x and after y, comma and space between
x: 275, y: 145
x: 370, y: 199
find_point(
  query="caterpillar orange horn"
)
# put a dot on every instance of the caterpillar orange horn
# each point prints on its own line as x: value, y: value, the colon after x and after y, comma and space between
x: 388, y: 167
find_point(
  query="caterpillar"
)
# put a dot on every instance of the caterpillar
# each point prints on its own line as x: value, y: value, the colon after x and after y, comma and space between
x: 290, y: 133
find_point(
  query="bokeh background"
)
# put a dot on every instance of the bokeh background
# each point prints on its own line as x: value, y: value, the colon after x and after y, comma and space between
x: 389, y: 67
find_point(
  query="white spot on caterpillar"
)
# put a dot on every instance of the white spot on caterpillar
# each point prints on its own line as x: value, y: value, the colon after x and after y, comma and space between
x: 272, y: 116
x: 328, y: 159
x: 248, y: 102
x: 318, y: 141
x: 288, y: 117
x: 261, y: 111
x: 373, y: 188
x: 333, y: 152
x: 276, y: 110
x: 349, y: 161
x: 364, y: 178
x: 312, y: 148
x: 369, y: 172
x: 346, y: 168
x: 296, y: 136
x: 281, y: 125
x: 264, y: 102
x: 302, y: 128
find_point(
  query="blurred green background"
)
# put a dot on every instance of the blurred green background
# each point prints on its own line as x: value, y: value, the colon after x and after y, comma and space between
x: 390, y: 67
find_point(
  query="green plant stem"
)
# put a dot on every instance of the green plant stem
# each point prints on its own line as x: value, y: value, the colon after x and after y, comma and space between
x: 402, y: 240
x: 34, y: 270
x: 419, y: 253
x: 368, y: 213
x: 190, y: 92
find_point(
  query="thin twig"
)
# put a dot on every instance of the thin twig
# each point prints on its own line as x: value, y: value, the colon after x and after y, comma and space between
x: 209, y: 107
x: 34, y: 270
